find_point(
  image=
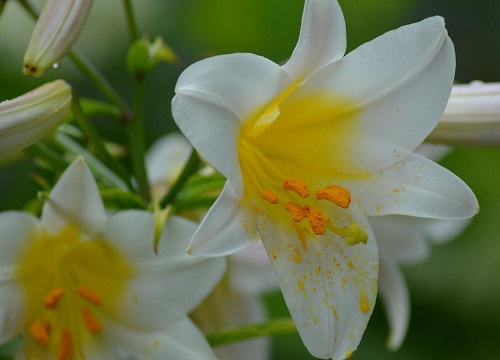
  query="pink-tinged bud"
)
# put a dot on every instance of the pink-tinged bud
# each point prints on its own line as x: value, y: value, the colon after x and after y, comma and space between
x: 29, y: 117
x: 472, y: 116
x: 55, y: 32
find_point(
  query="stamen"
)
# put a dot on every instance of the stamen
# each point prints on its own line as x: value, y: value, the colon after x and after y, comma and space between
x: 91, y: 323
x: 297, y: 212
x: 268, y: 195
x: 65, y: 351
x: 40, y: 331
x: 317, y: 219
x: 296, y: 185
x: 52, y: 298
x: 336, y: 194
x: 89, y: 295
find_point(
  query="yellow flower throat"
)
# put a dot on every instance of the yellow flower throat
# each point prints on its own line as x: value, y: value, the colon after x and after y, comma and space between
x: 68, y: 283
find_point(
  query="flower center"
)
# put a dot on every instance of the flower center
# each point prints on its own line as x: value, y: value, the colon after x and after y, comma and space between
x: 68, y: 283
x: 318, y: 222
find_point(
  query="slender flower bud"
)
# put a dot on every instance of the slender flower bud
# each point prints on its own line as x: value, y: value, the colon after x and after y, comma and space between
x: 55, y: 32
x: 29, y: 117
x: 472, y: 116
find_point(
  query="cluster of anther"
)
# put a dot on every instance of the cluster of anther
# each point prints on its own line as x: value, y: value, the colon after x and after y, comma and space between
x: 317, y: 219
x: 41, y: 329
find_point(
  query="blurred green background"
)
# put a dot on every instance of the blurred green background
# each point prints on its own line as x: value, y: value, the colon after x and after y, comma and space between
x: 455, y: 294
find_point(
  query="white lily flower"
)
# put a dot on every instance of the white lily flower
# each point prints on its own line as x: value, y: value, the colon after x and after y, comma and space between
x: 344, y: 127
x: 29, y: 117
x: 472, y: 116
x: 56, y: 30
x: 235, y: 301
x: 79, y: 284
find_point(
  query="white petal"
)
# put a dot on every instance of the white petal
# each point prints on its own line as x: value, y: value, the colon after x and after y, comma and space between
x: 329, y: 287
x: 213, y: 99
x: 395, y: 87
x: 75, y: 199
x: 322, y: 38
x: 251, y: 272
x: 416, y: 187
x: 170, y: 282
x: 395, y: 297
x: 17, y: 230
x: 434, y: 152
x: 222, y: 231
x: 179, y: 341
x: 166, y: 157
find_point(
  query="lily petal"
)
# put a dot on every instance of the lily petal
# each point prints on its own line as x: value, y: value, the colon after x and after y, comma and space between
x: 181, y: 341
x: 322, y: 39
x: 417, y: 187
x: 222, y: 232
x: 213, y: 99
x: 329, y: 286
x: 159, y: 282
x: 75, y: 199
x: 397, y: 87
x: 396, y: 300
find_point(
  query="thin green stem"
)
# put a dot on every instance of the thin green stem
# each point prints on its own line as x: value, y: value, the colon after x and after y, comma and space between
x: 271, y: 328
x: 30, y: 9
x: 135, y: 131
x: 96, y: 140
x: 131, y: 21
x: 42, y: 151
x: 191, y: 167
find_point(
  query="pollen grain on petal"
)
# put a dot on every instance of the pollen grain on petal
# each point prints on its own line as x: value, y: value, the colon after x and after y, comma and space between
x: 337, y: 194
x: 297, y: 186
x: 269, y: 196
x: 40, y: 331
x: 51, y: 300
x: 364, y: 303
x: 297, y: 212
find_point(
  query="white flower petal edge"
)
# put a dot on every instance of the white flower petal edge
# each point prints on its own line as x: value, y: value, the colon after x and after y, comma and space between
x: 74, y: 200
x: 180, y: 341
x: 396, y: 299
x: 322, y: 39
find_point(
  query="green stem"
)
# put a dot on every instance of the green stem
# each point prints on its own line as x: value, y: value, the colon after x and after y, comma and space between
x: 135, y: 131
x: 30, y: 9
x: 190, y: 168
x: 271, y: 328
x: 42, y: 151
x: 96, y: 140
x: 131, y: 21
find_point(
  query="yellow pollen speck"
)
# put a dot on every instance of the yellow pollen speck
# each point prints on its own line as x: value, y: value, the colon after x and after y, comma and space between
x: 297, y: 258
x: 317, y: 220
x: 91, y: 323
x: 297, y: 212
x: 364, y: 303
x: 350, y: 264
x: 88, y: 295
x: 271, y: 197
x: 51, y: 300
x: 298, y: 186
x: 65, y: 351
x: 40, y: 331
x: 344, y: 280
x: 300, y: 284
x: 315, y: 320
x: 348, y: 354
x: 336, y: 194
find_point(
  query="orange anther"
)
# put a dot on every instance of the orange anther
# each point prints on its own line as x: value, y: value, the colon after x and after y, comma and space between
x: 65, y: 351
x: 91, y: 323
x: 268, y: 195
x: 317, y: 220
x: 40, y: 331
x: 51, y: 300
x: 296, y: 185
x: 336, y: 194
x: 297, y: 212
x: 89, y: 295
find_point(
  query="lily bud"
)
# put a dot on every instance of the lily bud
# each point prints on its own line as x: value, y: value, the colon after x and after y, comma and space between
x: 471, y: 117
x: 29, y: 117
x: 55, y: 32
